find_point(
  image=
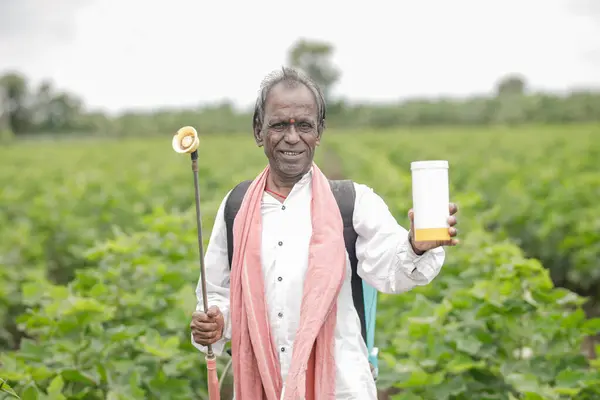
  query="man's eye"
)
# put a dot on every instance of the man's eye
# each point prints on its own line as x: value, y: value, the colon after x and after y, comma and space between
x: 305, y: 126
x: 278, y: 126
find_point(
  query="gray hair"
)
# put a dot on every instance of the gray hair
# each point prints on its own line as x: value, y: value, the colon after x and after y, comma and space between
x: 291, y: 77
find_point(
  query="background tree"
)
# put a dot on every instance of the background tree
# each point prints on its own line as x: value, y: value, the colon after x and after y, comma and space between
x: 511, y: 103
x: 6, y: 133
x: 14, y: 86
x: 513, y: 84
x: 314, y: 58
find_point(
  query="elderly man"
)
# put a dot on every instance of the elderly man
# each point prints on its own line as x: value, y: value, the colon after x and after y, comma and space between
x: 285, y: 300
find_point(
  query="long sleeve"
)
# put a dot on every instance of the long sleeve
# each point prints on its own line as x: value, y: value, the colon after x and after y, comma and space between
x: 386, y: 259
x: 217, y: 278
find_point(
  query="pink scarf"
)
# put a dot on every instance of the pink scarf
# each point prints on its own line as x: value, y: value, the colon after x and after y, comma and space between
x: 255, y: 362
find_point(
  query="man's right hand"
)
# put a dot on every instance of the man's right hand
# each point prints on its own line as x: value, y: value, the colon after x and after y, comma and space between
x: 207, y: 328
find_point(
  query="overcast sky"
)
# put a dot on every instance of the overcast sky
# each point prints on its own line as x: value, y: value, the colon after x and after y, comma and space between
x: 138, y: 54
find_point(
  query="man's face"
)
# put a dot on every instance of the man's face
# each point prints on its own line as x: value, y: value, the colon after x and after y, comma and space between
x: 290, y: 133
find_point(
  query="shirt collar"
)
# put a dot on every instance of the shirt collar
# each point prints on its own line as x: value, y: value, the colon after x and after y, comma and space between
x: 305, y: 180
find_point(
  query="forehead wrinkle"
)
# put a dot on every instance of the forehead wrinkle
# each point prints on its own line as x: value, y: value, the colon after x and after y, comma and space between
x: 298, y: 114
x: 286, y: 106
x: 283, y: 107
x: 282, y: 93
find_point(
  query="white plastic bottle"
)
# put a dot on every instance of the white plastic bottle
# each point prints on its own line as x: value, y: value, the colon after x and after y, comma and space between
x: 431, y: 200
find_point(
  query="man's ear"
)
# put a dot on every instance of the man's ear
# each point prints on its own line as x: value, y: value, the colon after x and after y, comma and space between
x: 258, y: 136
x: 320, y: 133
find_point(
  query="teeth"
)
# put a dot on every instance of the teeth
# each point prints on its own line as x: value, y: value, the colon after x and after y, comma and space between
x: 290, y: 153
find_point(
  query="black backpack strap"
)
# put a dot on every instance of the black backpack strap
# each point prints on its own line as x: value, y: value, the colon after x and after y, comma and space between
x: 232, y: 206
x: 345, y: 195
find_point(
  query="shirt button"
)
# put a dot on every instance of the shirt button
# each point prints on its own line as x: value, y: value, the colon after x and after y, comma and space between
x: 280, y: 315
x: 283, y: 349
x: 280, y: 279
x: 280, y: 243
x: 283, y: 207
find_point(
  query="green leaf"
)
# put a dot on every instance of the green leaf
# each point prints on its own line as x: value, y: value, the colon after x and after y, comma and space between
x: 32, y: 351
x: 569, y: 378
x: 532, y: 396
x: 73, y: 375
x: 524, y: 383
x: 55, y: 388
x: 415, y: 378
x: 469, y: 345
x: 591, y: 326
x: 5, y: 387
x: 30, y: 393
x: 32, y: 293
x: 449, y: 387
x: 461, y: 364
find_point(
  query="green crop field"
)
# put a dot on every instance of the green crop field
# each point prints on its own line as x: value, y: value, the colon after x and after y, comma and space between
x: 98, y: 259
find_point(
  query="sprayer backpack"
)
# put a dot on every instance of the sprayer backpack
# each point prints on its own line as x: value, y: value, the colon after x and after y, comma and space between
x: 364, y: 295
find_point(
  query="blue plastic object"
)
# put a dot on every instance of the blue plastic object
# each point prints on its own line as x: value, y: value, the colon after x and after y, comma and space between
x: 370, y: 300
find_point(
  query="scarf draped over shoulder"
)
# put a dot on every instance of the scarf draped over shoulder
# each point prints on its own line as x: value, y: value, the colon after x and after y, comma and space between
x: 255, y: 362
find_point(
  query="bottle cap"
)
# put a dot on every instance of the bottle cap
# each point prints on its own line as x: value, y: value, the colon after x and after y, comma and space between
x: 428, y: 164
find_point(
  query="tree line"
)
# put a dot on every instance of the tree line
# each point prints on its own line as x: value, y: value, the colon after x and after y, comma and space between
x: 46, y: 109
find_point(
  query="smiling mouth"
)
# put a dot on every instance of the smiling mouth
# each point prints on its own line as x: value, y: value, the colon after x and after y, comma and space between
x: 292, y: 153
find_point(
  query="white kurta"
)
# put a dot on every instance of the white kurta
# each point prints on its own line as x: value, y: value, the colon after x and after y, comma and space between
x: 385, y: 260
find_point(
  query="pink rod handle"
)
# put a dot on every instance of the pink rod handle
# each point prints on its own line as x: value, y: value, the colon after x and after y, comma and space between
x: 213, y: 379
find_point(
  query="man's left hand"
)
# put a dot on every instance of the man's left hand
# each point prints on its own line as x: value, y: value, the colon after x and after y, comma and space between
x: 422, y: 247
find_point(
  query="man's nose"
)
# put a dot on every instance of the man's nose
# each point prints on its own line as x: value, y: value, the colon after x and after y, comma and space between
x: 291, y: 135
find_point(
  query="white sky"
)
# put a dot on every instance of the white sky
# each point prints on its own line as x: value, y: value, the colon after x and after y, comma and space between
x: 131, y: 53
